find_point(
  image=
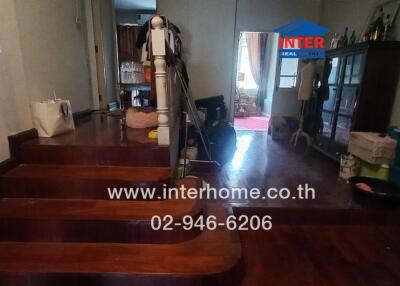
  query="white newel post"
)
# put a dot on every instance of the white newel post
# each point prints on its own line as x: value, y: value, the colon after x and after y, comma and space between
x: 158, y: 47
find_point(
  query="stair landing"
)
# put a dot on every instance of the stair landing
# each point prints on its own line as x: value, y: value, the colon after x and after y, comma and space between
x: 100, y: 141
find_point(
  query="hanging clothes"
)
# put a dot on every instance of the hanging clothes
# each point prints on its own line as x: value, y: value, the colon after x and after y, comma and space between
x: 173, y: 41
x: 173, y: 47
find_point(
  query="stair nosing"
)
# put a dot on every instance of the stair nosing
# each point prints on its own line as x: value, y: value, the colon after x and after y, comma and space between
x: 18, y: 172
x: 219, y: 243
x: 161, y: 208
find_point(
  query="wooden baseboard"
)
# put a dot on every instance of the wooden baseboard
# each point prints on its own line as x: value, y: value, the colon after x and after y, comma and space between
x: 14, y: 143
x: 323, y: 152
x: 7, y: 165
x: 82, y: 115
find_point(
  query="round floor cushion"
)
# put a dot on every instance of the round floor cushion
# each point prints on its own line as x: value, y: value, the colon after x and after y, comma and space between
x: 136, y: 118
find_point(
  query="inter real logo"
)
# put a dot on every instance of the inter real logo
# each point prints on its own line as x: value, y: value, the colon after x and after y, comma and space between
x: 301, y: 39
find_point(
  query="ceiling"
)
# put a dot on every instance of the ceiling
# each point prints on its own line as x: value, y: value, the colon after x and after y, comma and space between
x: 135, y: 4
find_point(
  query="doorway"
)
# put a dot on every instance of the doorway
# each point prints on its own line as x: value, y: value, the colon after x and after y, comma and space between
x: 132, y: 17
x: 113, y: 27
x: 255, y: 80
x: 266, y: 86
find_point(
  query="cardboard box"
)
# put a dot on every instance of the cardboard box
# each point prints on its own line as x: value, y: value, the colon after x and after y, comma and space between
x: 372, y: 147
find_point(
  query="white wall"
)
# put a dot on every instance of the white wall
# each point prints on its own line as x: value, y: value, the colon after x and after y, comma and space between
x: 54, y: 50
x: 41, y: 49
x: 337, y: 14
x: 266, y: 15
x: 14, y: 95
x: 207, y: 34
x: 108, y: 37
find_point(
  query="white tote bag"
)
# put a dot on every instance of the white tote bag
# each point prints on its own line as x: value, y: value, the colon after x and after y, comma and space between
x: 52, y: 117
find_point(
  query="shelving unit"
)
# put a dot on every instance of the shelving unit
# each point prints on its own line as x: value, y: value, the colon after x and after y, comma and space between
x: 360, y: 84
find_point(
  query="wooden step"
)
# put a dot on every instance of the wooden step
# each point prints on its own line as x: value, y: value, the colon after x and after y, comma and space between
x: 212, y: 258
x: 61, y: 220
x: 98, y: 141
x: 79, y: 182
x: 33, y: 152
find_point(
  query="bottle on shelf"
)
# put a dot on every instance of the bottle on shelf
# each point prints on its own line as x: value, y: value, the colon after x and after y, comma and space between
x: 368, y: 33
x: 335, y: 41
x: 379, y: 27
x: 386, y: 28
x: 352, y: 39
x: 345, y: 39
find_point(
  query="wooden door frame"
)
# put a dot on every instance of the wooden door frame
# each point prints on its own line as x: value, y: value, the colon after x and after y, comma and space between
x: 96, y: 53
x: 92, y: 54
x: 99, y: 55
x: 116, y: 58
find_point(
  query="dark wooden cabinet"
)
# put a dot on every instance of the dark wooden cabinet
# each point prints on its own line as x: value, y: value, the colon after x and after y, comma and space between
x: 357, y: 94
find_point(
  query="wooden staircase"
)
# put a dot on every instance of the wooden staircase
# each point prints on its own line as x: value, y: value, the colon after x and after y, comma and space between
x: 59, y: 227
x: 80, y: 181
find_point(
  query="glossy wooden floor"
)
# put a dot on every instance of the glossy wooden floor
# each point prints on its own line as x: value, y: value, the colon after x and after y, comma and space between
x: 264, y: 163
x: 322, y: 255
x: 338, y: 239
x: 322, y: 247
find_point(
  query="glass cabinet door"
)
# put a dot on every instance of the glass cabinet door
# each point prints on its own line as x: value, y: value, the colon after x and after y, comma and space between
x: 343, y: 77
x: 334, y: 70
x: 347, y: 69
x: 357, y: 67
x: 348, y: 98
x: 329, y: 104
x: 343, y: 128
x: 352, y: 71
x: 328, y: 111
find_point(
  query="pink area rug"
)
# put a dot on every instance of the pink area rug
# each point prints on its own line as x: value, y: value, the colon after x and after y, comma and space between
x: 251, y: 123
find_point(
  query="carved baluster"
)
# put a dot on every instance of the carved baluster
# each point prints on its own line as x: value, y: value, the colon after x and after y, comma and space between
x: 158, y: 48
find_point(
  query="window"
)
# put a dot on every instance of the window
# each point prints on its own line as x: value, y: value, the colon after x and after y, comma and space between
x: 288, y: 73
x: 245, y: 78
